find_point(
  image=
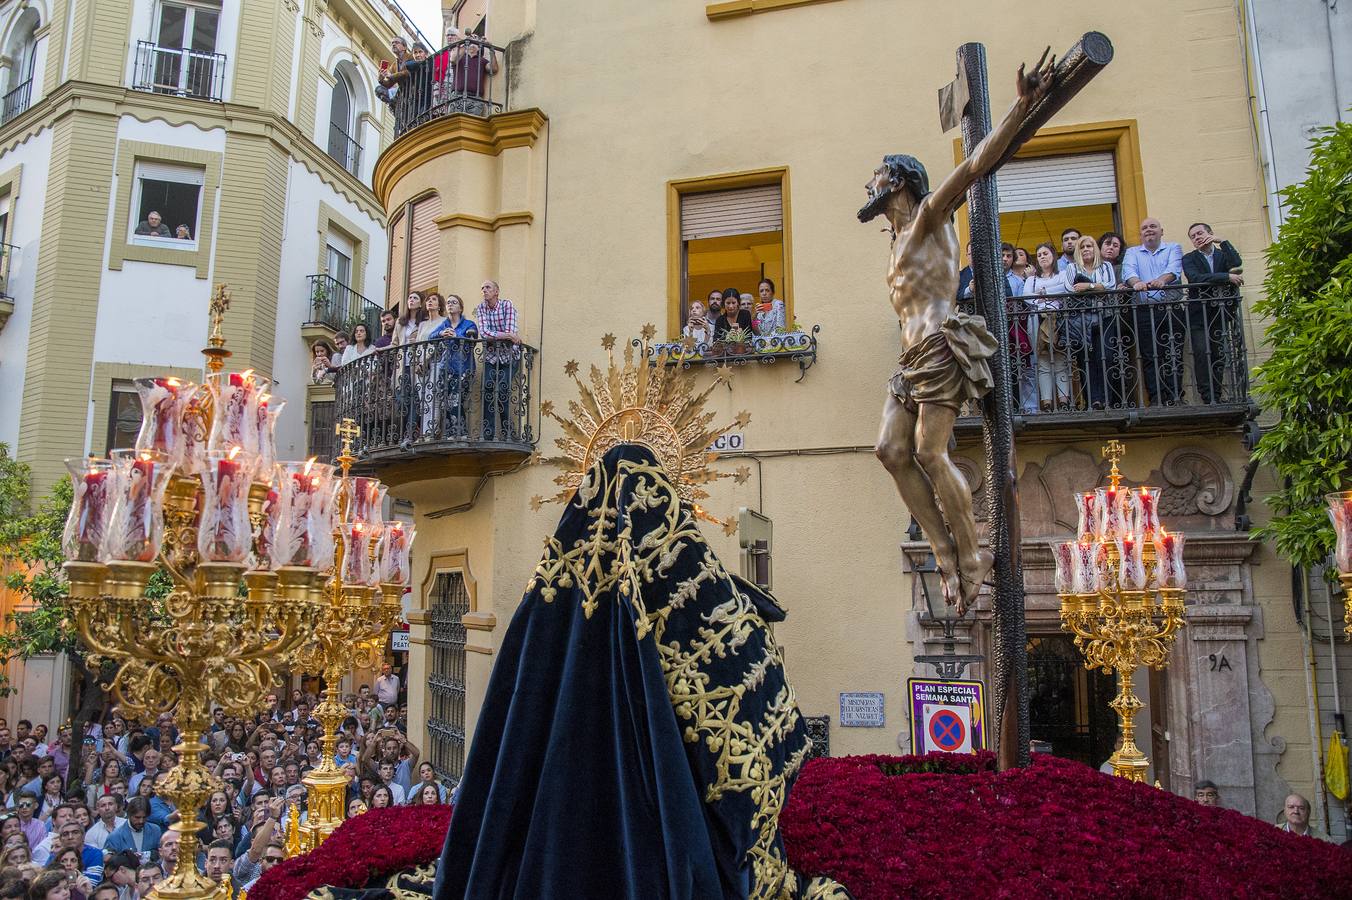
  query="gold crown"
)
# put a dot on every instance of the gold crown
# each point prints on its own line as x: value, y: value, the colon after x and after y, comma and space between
x: 641, y: 403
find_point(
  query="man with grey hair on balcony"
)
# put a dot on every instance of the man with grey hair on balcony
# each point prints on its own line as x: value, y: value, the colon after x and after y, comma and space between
x: 497, y: 326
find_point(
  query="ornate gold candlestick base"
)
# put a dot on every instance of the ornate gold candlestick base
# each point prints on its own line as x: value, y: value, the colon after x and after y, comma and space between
x: 327, y: 784
x: 1128, y: 761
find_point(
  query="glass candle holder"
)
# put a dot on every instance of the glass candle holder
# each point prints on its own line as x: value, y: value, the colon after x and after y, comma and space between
x: 234, y: 415
x: 1063, y: 553
x: 91, y: 508
x: 1131, y: 574
x: 164, y: 401
x: 1085, y: 504
x: 1090, y: 568
x: 1112, y: 512
x: 196, y: 431
x: 356, y: 553
x: 366, y: 502
x: 305, y: 526
x: 137, y: 524
x: 396, y: 540
x: 225, y: 534
x: 269, y: 408
x: 265, y: 539
x: 1145, y: 511
x: 1169, y: 571
x: 1340, y: 511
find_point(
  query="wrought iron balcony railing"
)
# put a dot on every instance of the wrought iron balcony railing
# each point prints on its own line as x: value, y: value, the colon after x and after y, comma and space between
x: 336, y: 305
x: 7, y: 252
x: 344, y: 149
x: 469, y: 76
x: 16, y: 101
x: 179, y: 71
x: 439, y: 396
x: 1126, y: 357
x: 794, y: 346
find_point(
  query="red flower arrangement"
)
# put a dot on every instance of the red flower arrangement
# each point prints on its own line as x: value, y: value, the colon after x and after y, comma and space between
x: 374, y: 845
x: 947, y: 825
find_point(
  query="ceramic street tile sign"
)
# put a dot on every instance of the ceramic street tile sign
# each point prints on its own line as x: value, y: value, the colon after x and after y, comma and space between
x: 946, y: 716
x: 862, y: 709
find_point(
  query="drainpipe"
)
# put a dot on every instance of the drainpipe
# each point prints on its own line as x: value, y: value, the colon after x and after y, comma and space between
x: 1320, y: 802
x: 1258, y: 114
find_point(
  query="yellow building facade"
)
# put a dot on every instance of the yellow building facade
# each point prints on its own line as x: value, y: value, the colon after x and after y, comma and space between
x: 649, y: 151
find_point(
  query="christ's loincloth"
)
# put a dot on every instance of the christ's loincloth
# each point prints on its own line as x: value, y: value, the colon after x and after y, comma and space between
x: 947, y: 367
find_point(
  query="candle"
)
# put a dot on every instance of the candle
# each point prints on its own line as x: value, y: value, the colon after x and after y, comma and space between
x: 1063, y: 553
x: 1131, y: 574
x: 1169, y: 570
x: 90, y: 509
x: 1110, y: 512
x: 1146, y: 511
x: 235, y: 399
x: 1086, y: 510
x: 356, y: 553
x: 269, y: 408
x: 265, y: 540
x: 396, y: 543
x: 304, y: 531
x: 1340, y: 512
x: 163, y: 403
x: 1089, y: 569
x: 137, y: 524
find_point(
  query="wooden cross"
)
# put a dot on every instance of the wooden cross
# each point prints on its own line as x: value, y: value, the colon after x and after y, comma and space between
x: 347, y: 432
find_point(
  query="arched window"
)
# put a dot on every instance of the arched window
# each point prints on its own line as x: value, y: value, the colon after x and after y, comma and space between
x: 22, y: 50
x: 343, y: 146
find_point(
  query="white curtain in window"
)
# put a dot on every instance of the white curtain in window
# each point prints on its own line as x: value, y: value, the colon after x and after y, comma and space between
x: 720, y: 213
x: 1056, y: 182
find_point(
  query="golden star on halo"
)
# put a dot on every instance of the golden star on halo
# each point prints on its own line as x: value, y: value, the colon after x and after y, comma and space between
x: 641, y: 400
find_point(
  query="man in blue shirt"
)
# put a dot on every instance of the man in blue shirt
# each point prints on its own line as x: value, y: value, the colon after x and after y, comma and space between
x: 1161, y: 327
x: 91, y: 858
x: 1067, y: 258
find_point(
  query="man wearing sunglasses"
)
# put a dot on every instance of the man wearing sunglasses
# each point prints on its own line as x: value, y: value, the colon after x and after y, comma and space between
x: 33, y: 828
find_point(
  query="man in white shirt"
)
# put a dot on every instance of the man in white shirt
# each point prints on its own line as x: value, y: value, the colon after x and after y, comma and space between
x: 151, y: 761
x: 107, y: 808
x: 387, y: 686
x: 43, y: 849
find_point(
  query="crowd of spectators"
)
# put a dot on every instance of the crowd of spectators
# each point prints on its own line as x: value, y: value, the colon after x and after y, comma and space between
x: 734, y: 312
x: 456, y: 78
x: 1088, y: 316
x: 90, y: 823
x: 448, y: 354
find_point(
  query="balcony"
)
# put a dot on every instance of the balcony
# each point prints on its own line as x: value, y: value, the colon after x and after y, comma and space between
x: 1118, y: 360
x: 336, y: 307
x: 16, y: 101
x: 7, y: 252
x: 794, y: 346
x: 344, y: 149
x: 195, y: 74
x: 467, y: 77
x: 439, y: 407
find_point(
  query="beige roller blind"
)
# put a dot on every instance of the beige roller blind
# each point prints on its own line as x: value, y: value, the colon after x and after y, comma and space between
x: 424, y: 244
x: 1056, y: 182
x: 398, y: 282
x: 721, y: 213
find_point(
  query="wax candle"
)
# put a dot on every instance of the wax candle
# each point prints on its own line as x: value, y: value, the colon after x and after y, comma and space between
x: 1110, y: 512
x: 397, y: 541
x: 224, y: 534
x: 1146, y: 511
x: 356, y: 553
x: 1089, y: 568
x: 304, y: 531
x: 235, y: 397
x: 1087, y: 524
x: 163, y: 403
x: 269, y: 408
x: 1063, y: 553
x: 265, y: 539
x: 90, y: 509
x: 1340, y: 512
x: 137, y: 524
x: 1131, y: 574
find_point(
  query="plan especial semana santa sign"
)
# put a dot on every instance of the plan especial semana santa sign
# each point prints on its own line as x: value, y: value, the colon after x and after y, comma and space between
x: 947, y: 716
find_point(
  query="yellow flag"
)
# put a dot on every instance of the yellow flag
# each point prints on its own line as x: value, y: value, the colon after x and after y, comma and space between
x: 1335, y: 767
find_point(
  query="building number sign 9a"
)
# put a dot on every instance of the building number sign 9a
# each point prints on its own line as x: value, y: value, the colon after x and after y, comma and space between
x: 733, y: 440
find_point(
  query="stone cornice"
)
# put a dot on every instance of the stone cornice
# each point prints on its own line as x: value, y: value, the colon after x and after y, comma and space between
x: 99, y: 99
x: 448, y: 134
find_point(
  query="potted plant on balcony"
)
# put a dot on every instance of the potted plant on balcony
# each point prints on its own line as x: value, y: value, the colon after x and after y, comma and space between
x: 735, y: 340
x: 319, y: 299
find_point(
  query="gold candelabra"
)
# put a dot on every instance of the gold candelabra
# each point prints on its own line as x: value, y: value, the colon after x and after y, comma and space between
x: 350, y: 626
x: 177, y: 505
x: 1121, y: 585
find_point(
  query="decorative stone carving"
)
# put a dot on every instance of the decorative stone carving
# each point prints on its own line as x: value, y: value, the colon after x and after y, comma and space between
x: 1199, y: 483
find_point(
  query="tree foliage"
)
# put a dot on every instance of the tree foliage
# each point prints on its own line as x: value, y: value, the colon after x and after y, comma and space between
x: 1307, y: 380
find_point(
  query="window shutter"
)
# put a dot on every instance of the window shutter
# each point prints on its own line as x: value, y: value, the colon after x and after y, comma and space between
x: 398, y: 282
x: 720, y: 213
x: 424, y: 244
x: 1055, y: 182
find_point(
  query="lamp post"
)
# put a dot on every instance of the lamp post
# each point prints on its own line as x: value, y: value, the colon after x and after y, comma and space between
x: 187, y: 501
x: 1340, y: 511
x: 950, y: 664
x: 370, y: 563
x: 1121, y: 585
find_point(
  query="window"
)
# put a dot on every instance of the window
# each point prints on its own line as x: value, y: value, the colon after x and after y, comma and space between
x: 165, y: 205
x: 124, y: 416
x: 1042, y: 196
x: 23, y: 50
x: 343, y: 147
x: 180, y: 57
x: 339, y: 259
x: 728, y: 231
x: 450, y: 601
x: 423, y: 243
x: 397, y: 282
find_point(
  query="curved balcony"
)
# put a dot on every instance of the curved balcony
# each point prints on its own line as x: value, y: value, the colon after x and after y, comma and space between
x: 439, y: 407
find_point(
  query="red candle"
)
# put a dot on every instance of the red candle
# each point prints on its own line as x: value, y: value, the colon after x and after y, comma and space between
x: 93, y: 514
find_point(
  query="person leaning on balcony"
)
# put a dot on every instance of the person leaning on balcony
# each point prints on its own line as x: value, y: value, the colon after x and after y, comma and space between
x: 360, y: 346
x: 1212, y: 309
x: 697, y: 324
x: 1110, y: 251
x: 339, y: 356
x: 1148, y: 268
x: 320, y: 373
x: 714, y: 308
x: 418, y: 84
x: 153, y: 225
x: 1044, y: 290
x: 1069, y: 238
x: 1090, y: 276
x: 473, y: 64
x: 406, y: 329
x: 391, y: 74
x: 769, y: 316
x: 434, y: 316
x: 732, y: 316
x: 456, y: 369
x: 386, y: 330
x: 497, y: 324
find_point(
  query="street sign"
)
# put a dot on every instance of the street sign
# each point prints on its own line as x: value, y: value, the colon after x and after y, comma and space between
x: 399, y: 641
x: 863, y: 709
x: 947, y: 716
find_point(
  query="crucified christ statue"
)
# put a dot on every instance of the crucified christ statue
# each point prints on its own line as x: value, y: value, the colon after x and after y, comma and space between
x: 945, y: 353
